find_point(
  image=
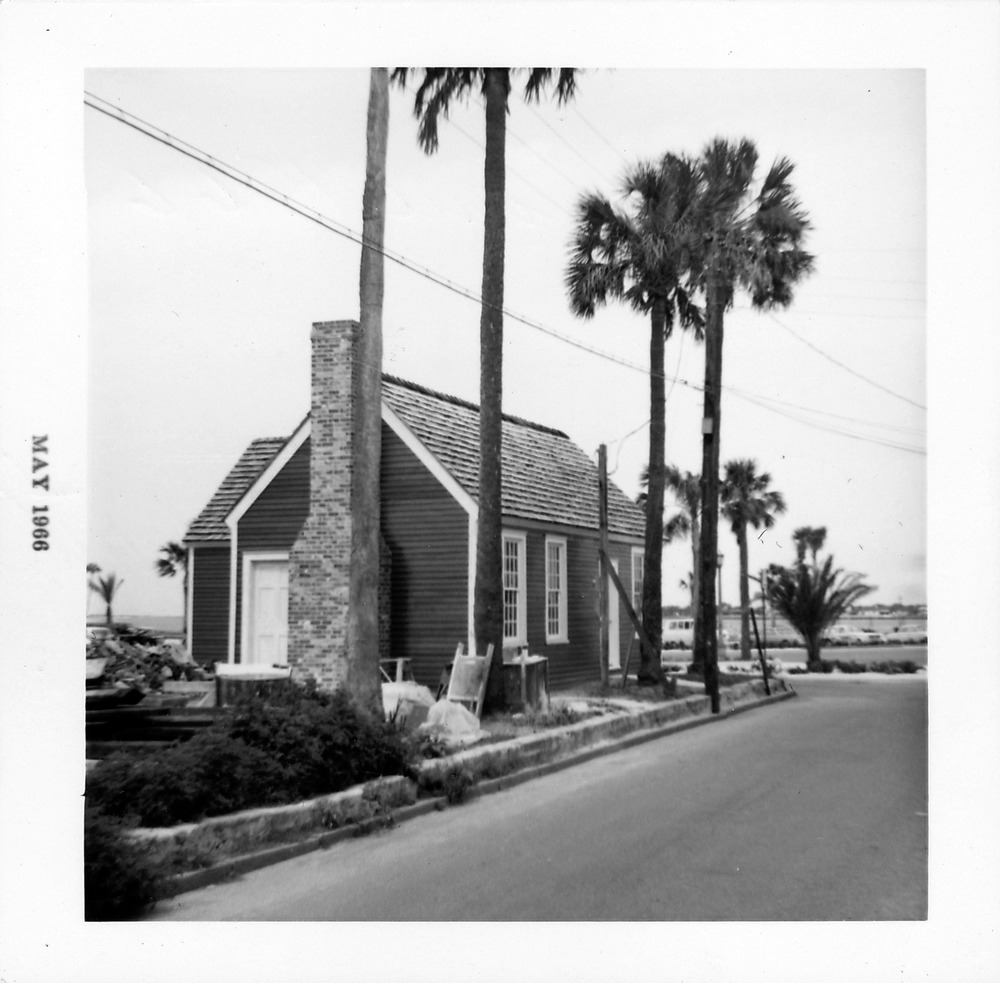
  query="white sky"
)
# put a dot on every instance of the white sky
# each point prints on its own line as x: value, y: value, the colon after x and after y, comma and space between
x: 151, y: 342
x: 202, y: 292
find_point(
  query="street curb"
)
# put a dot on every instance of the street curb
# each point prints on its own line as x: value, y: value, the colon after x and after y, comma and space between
x: 226, y: 870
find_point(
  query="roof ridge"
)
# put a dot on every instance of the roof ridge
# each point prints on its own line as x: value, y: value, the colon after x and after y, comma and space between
x: 456, y: 401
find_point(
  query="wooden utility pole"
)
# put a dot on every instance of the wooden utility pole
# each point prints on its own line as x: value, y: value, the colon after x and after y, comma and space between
x: 363, y: 679
x: 603, y: 565
x: 707, y: 641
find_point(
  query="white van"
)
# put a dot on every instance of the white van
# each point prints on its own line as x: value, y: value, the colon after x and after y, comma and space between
x: 678, y: 633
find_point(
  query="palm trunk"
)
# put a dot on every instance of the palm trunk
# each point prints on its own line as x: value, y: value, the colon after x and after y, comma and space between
x: 650, y: 671
x: 184, y: 587
x: 696, y: 584
x: 363, y: 680
x: 741, y: 539
x: 488, y: 597
x: 707, y: 641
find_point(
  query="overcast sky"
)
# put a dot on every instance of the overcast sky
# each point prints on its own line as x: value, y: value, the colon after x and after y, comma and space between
x: 203, y: 292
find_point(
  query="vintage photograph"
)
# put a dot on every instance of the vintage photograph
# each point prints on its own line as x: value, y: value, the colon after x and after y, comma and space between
x: 630, y: 273
x: 499, y: 496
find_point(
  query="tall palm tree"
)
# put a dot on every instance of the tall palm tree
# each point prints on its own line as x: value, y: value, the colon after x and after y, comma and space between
x: 363, y: 679
x: 437, y: 89
x: 747, y: 501
x: 174, y: 560
x: 106, y: 588
x: 808, y: 538
x: 744, y: 236
x: 810, y: 597
x: 637, y: 257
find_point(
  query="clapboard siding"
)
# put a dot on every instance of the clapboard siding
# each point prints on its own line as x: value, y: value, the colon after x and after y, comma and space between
x: 273, y: 521
x: 427, y: 532
x: 210, y: 604
x: 577, y: 660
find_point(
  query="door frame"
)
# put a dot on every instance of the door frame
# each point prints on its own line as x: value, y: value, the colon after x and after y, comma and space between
x: 614, y: 622
x: 250, y: 557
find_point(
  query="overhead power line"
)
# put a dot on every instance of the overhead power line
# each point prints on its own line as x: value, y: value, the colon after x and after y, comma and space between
x: 241, y: 177
x: 846, y: 368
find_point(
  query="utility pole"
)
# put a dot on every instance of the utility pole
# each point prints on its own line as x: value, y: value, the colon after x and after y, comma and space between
x: 602, y: 575
x: 706, y: 640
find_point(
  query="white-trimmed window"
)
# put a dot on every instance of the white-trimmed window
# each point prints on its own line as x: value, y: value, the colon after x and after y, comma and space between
x: 555, y: 589
x: 515, y: 594
x: 638, y: 572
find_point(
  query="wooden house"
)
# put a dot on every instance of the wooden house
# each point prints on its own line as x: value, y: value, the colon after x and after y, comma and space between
x: 269, y: 554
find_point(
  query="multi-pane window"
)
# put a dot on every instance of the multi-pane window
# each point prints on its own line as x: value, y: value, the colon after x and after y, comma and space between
x: 514, y: 593
x: 555, y: 589
x: 638, y: 571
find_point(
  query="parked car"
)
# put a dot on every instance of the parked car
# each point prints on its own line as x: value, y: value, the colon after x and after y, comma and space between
x: 873, y: 637
x: 678, y: 633
x: 907, y: 635
x: 844, y: 635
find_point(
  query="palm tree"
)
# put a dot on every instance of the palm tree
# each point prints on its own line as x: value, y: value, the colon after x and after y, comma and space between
x: 92, y: 568
x: 106, y: 588
x: 437, y: 88
x: 811, y: 597
x: 174, y: 559
x: 637, y: 257
x: 363, y: 680
x: 742, y: 236
x: 747, y: 501
x: 686, y: 489
x: 808, y: 538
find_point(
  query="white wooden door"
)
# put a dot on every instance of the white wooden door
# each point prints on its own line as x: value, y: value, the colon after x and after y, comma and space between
x: 614, y: 623
x: 268, y: 613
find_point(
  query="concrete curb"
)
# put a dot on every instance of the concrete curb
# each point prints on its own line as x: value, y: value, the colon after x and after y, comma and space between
x: 616, y: 734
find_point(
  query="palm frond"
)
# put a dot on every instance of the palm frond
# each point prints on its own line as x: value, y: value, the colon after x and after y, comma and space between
x: 540, y: 79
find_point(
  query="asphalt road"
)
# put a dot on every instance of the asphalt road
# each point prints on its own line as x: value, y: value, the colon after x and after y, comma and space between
x: 814, y: 808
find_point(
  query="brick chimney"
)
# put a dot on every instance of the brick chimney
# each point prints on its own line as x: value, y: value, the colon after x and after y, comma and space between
x: 320, y: 561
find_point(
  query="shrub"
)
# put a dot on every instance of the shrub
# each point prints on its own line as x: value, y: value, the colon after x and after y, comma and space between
x: 209, y: 775
x: 323, y: 741
x: 119, y: 881
x: 293, y: 745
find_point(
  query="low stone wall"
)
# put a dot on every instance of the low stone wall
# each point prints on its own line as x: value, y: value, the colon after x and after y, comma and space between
x: 220, y: 837
x: 496, y: 760
x: 213, y: 842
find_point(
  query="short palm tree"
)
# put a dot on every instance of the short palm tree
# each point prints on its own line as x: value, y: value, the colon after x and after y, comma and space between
x: 106, y: 588
x: 92, y: 568
x: 746, y: 236
x: 808, y: 538
x: 811, y: 597
x: 437, y: 88
x: 637, y: 256
x: 174, y: 560
x: 747, y: 501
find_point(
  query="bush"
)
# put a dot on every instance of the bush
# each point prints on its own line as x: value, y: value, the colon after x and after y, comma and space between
x: 119, y: 881
x: 290, y: 746
x: 209, y: 775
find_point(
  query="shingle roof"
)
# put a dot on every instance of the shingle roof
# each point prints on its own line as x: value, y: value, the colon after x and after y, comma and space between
x: 545, y: 476
x: 211, y: 522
